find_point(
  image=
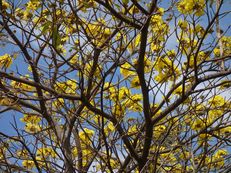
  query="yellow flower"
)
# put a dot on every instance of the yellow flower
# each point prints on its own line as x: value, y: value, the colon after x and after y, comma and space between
x: 22, y: 86
x: 132, y: 130
x: 171, y: 53
x: 160, y: 11
x: 87, y: 3
x: 167, y: 70
x: 5, y: 5
x: 203, y: 137
x: 178, y: 90
x: 158, y: 130
x: 226, y: 42
x: 134, y: 10
x: 221, y: 153
x: 4, y: 101
x: 71, y: 86
x: 162, y: 63
x: 147, y: 64
x: 27, y: 14
x: 198, y: 124
x: 118, y: 110
x: 134, y: 43
x: 135, y: 107
x: 199, y: 30
x: 183, y: 24
x: 135, y: 83
x: 185, y: 155
x: 74, y: 60
x: 126, y: 70
x: 87, y: 69
x: 58, y: 103
x: 217, y: 159
x: 217, y: 101
x: 112, y: 94
x: 31, y: 118
x: 123, y: 93
x: 2, y: 152
x: 216, y: 52
x: 46, y: 152
x: 5, y: 61
x: 226, y: 130
x: 98, y: 32
x: 155, y: 47
x: 156, y: 20
x: 74, y: 152
x: 33, y: 5
x: 86, y: 134
x: 109, y: 128
x: 32, y: 128
x: 61, y: 49
x: 29, y: 164
x: 191, y: 6
x: 68, y: 86
x: 214, y: 114
x: 136, y: 98
x: 22, y: 153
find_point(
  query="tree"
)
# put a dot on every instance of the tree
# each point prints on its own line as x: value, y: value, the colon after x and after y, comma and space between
x: 115, y: 86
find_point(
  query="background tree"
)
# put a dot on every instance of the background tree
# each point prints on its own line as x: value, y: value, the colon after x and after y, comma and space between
x: 115, y: 86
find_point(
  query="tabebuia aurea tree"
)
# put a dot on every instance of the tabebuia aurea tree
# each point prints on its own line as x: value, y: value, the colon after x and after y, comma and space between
x: 115, y: 86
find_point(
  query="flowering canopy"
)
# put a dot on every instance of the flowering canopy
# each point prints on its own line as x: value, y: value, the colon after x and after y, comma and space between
x: 115, y: 86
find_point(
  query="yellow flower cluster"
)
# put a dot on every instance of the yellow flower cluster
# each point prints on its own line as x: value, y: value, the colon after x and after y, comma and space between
x: 201, y: 57
x: 5, y: 5
x: 225, y: 130
x: 88, y: 67
x: 187, y: 44
x: 68, y: 87
x: 201, y: 117
x: 159, y: 30
x: 23, y: 86
x: 189, y: 29
x: 166, y: 69
x: 86, y: 140
x: 158, y: 130
x: 32, y: 128
x: 158, y: 25
x: 46, y: 152
x: 147, y: 64
x: 32, y: 122
x: 22, y: 153
x: 5, y: 61
x: 41, y: 155
x: 123, y: 99
x: 98, y: 32
x: 33, y: 4
x: 118, y: 110
x: 29, y: 164
x: 58, y: 103
x: 31, y: 118
x: 27, y: 14
x: 109, y: 128
x: 126, y: 70
x: 87, y: 4
x: 134, y: 44
x: 226, y: 43
x: 191, y: 6
x: 217, y: 160
x: 86, y: 135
